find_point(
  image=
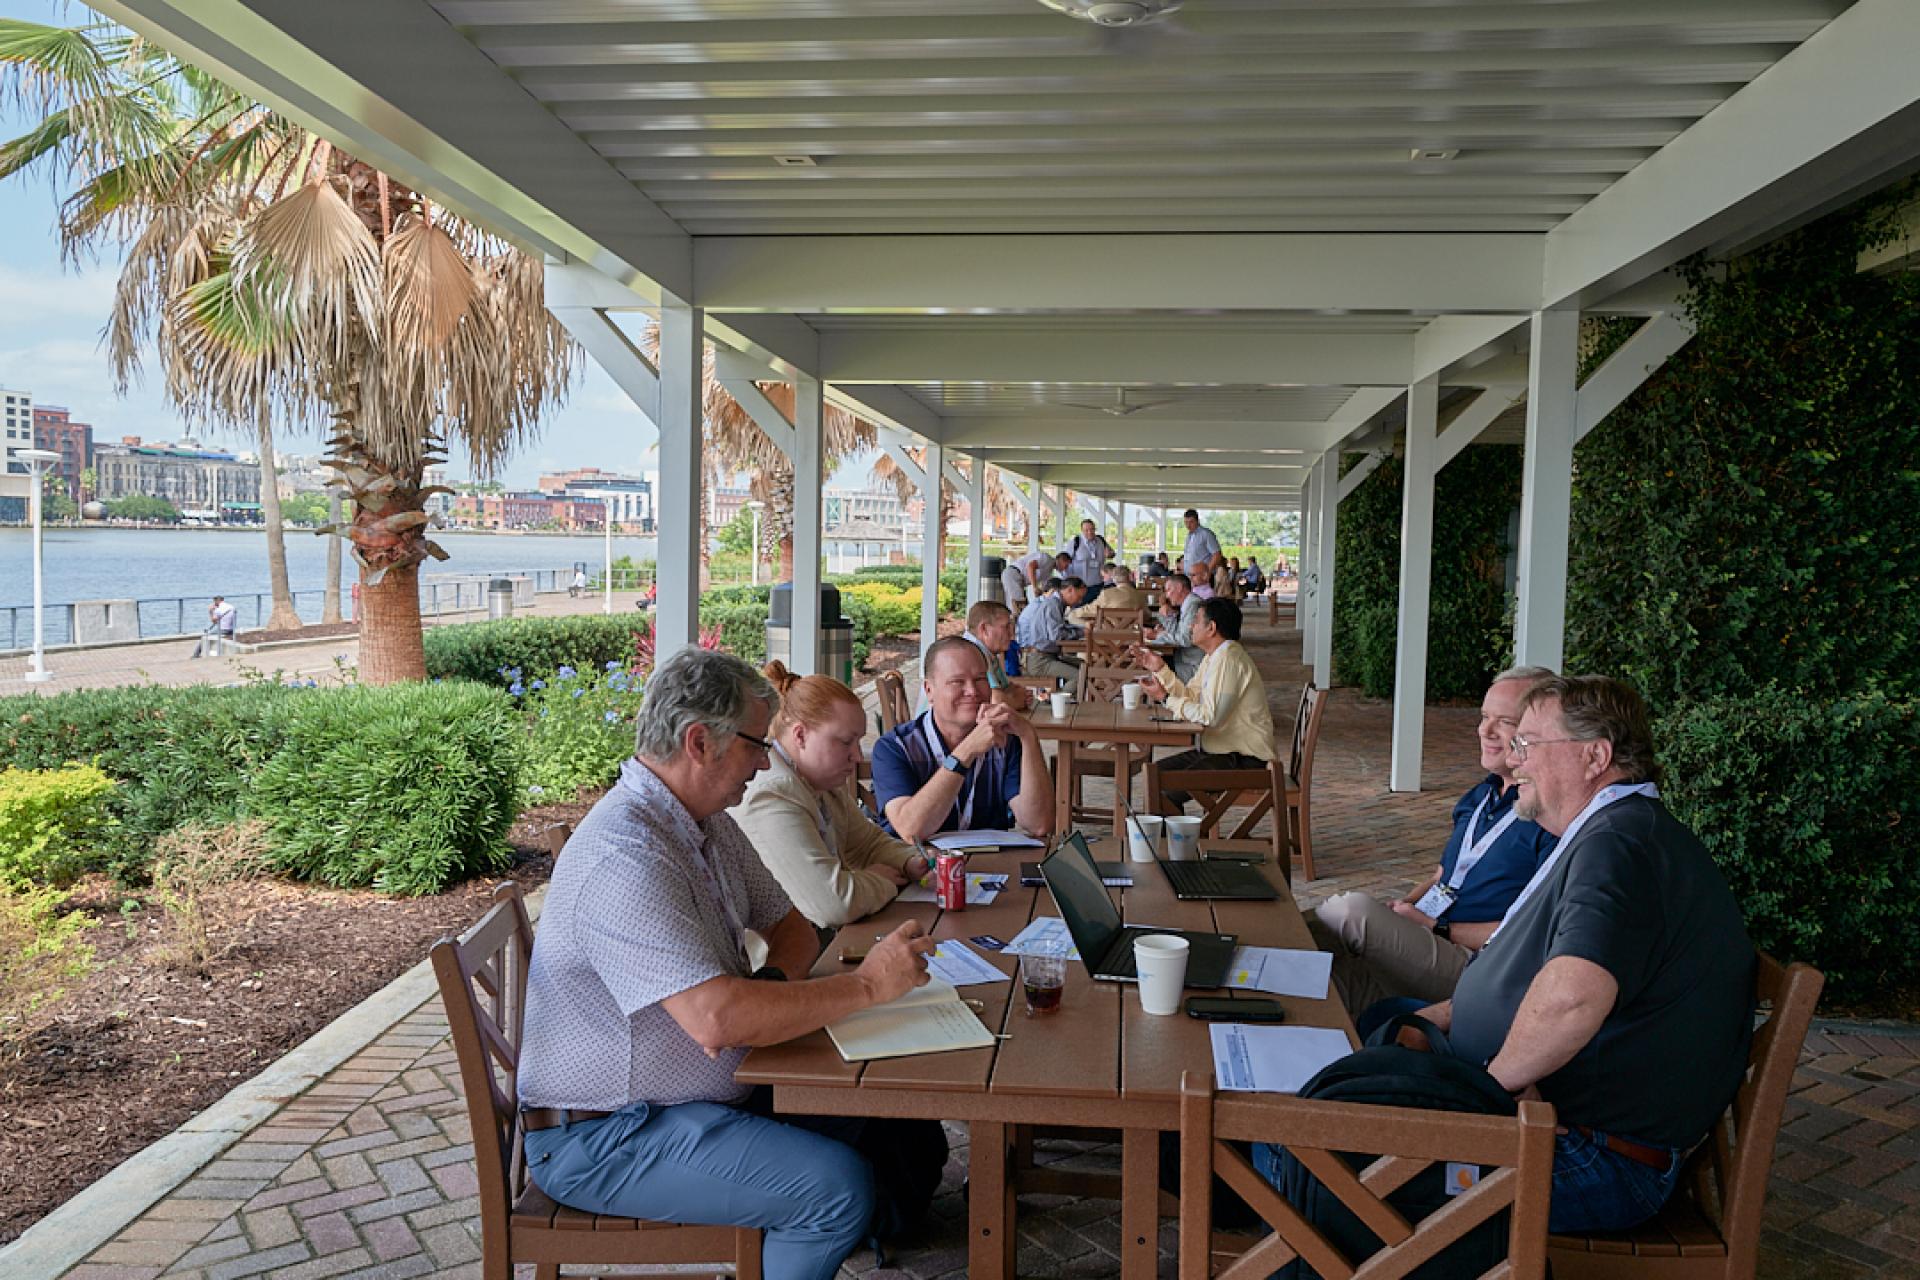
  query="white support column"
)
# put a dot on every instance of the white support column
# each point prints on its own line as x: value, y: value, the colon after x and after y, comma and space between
x: 1059, y: 516
x: 930, y: 530
x: 809, y: 415
x: 676, y: 610
x: 1120, y: 543
x: 1324, y: 542
x: 1539, y: 632
x: 976, y: 526
x: 1416, y: 587
x: 1033, y: 516
x: 1304, y: 595
x: 1159, y: 530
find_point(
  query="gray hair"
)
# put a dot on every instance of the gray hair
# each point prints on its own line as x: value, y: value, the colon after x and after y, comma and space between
x: 1532, y: 675
x: 1123, y: 574
x: 697, y: 686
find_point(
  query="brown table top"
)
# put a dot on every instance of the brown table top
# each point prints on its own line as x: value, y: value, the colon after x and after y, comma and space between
x: 1098, y: 1050
x: 1112, y: 722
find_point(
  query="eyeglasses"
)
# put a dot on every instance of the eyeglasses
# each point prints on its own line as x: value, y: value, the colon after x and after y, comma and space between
x: 1519, y: 745
x: 761, y: 743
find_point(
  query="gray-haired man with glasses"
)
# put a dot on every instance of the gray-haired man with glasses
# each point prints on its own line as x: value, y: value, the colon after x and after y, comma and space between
x: 1620, y: 985
x: 641, y: 1004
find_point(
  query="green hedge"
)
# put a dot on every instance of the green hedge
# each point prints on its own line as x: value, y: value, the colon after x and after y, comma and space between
x: 405, y: 789
x: 1808, y: 808
x: 1467, y: 634
x: 489, y: 652
x: 179, y: 755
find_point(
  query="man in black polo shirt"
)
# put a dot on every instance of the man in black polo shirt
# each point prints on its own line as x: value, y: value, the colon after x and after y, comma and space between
x: 1620, y: 985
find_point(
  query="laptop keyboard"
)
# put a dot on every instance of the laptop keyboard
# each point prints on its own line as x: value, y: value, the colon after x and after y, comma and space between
x: 1198, y: 877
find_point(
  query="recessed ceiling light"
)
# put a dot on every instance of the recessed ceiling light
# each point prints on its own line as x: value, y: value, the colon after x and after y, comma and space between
x: 796, y: 162
x: 1434, y: 153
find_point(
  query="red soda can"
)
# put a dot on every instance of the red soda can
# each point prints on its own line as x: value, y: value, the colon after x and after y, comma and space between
x: 950, y: 881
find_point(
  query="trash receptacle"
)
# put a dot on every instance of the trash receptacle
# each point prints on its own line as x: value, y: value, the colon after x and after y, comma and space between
x: 500, y: 598
x: 991, y: 587
x: 836, y: 632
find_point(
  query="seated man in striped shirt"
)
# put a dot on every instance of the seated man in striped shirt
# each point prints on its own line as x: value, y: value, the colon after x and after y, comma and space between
x: 1226, y: 694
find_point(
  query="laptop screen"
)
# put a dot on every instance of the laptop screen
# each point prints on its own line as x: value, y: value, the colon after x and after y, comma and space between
x: 1074, y: 880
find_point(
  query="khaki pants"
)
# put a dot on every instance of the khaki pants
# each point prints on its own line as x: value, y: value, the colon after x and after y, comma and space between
x: 1036, y: 662
x: 1378, y: 954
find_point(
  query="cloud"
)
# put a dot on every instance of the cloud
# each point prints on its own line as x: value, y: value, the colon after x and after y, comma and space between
x: 46, y: 294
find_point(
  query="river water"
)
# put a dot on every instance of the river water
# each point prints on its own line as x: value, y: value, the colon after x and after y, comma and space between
x: 158, y: 564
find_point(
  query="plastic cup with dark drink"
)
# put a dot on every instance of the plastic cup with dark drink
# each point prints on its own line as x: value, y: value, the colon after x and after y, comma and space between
x: 1044, y: 978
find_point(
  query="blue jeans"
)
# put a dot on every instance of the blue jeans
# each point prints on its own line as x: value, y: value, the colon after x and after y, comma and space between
x: 703, y: 1162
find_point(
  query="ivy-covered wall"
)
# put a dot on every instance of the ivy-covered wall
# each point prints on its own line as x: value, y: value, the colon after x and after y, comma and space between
x: 1746, y: 550
x: 1467, y: 633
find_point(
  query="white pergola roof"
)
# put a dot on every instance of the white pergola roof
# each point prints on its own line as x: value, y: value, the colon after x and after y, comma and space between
x: 1286, y: 227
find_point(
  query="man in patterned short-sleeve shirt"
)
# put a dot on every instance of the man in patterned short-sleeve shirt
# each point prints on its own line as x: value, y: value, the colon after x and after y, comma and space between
x: 641, y: 1002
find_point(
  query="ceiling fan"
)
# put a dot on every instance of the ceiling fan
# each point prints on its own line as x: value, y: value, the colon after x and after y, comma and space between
x: 1120, y: 408
x: 1116, y: 13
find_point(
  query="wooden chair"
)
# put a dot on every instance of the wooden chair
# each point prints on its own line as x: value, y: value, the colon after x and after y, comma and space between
x: 1218, y: 791
x: 890, y: 688
x: 483, y: 982
x: 1098, y: 760
x: 1105, y: 619
x: 863, y: 786
x: 1306, y: 735
x: 1711, y: 1226
x: 1402, y: 1143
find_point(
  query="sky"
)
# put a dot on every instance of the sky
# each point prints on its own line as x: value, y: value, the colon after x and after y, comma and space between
x: 52, y: 318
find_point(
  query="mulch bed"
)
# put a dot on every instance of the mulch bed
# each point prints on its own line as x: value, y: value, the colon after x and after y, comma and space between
x: 890, y: 653
x: 139, y: 1045
x: 315, y: 631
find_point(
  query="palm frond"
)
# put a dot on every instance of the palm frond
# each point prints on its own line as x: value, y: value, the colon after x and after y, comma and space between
x: 313, y: 249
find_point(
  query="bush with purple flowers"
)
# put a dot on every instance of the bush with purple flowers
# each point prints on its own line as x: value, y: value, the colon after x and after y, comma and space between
x: 579, y: 728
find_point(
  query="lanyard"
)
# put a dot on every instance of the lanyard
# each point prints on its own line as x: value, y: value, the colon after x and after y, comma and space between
x: 1471, y: 854
x: 1605, y: 797
x: 819, y: 801
x: 969, y: 786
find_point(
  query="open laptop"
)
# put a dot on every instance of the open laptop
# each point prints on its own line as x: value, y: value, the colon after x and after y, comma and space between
x: 1202, y: 881
x: 1105, y: 943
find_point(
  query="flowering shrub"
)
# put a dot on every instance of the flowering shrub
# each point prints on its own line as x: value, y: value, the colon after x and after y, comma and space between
x: 46, y: 817
x: 579, y: 728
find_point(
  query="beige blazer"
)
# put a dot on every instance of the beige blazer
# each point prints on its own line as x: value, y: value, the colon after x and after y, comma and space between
x: 829, y: 874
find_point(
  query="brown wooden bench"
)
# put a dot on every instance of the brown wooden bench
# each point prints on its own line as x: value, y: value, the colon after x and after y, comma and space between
x: 1710, y: 1230
x: 1402, y: 1143
x: 483, y: 983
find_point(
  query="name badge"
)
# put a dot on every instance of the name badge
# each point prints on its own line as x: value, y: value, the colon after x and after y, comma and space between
x: 1435, y: 901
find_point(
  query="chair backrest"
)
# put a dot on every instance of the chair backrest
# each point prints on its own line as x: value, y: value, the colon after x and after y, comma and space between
x: 1403, y: 1143
x: 890, y: 687
x: 1740, y: 1148
x: 483, y: 984
x: 1102, y: 683
x: 863, y: 786
x: 1105, y: 619
x: 1306, y: 733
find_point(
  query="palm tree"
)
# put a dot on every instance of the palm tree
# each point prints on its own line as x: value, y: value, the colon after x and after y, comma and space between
x: 282, y: 279
x: 1001, y: 509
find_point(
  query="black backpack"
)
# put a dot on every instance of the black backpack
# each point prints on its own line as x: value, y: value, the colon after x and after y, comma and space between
x: 1389, y: 1075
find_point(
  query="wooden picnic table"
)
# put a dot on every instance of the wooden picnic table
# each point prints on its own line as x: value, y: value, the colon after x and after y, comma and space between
x: 1142, y: 729
x: 1099, y: 1062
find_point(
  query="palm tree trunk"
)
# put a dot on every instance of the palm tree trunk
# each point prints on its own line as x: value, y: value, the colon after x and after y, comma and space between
x: 330, y: 603
x: 285, y: 617
x: 391, y: 646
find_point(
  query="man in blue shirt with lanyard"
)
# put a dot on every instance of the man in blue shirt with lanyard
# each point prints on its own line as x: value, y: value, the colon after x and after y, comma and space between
x: 966, y: 763
x: 1419, y: 945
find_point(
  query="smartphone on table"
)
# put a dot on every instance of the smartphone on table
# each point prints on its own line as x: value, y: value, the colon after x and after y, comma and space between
x: 1215, y: 1009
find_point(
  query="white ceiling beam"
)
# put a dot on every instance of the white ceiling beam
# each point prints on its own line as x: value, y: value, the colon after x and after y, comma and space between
x: 1470, y: 421
x: 1623, y: 371
x: 616, y: 354
x: 888, y: 407
x: 1358, y: 414
x: 1105, y: 478
x: 783, y: 346
x: 392, y: 82
x: 1140, y: 430
x: 1361, y: 470
x: 1193, y: 356
x: 895, y: 445
x: 1837, y: 116
x: 1022, y: 458
x: 1451, y: 345
x: 1119, y: 272
x: 737, y: 374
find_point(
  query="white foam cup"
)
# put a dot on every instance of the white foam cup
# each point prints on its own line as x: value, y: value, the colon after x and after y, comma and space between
x: 1143, y: 837
x: 1060, y: 702
x: 1183, y: 839
x: 1160, y: 961
x: 1130, y: 695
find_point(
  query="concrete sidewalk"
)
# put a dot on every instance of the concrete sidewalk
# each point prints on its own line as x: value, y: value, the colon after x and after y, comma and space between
x: 367, y: 1173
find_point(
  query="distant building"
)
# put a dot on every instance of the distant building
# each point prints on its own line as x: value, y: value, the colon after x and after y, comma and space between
x: 54, y: 428
x: 204, y: 484
x: 728, y: 500
x: 865, y: 509
x: 520, y: 510
x: 301, y: 473
x: 630, y: 497
x: 437, y: 504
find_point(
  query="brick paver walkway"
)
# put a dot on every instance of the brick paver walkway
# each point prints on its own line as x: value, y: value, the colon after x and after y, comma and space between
x: 367, y: 1174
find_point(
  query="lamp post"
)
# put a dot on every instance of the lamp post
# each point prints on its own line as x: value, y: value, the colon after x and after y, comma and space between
x: 755, y: 505
x: 38, y: 460
x: 606, y: 595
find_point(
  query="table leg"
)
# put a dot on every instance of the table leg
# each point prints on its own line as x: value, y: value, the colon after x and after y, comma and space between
x: 1063, y: 787
x: 1122, y: 761
x: 990, y: 1204
x: 1139, y: 1204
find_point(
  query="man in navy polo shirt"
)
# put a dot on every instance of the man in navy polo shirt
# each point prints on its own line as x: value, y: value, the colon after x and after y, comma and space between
x: 966, y: 763
x: 1419, y: 945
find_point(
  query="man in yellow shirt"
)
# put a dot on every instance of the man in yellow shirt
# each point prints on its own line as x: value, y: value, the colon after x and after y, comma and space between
x: 1226, y: 694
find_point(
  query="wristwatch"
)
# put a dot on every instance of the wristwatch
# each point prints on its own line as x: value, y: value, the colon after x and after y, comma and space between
x: 952, y: 763
x: 1443, y: 928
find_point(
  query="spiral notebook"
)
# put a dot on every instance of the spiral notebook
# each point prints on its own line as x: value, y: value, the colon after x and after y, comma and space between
x: 930, y: 1019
